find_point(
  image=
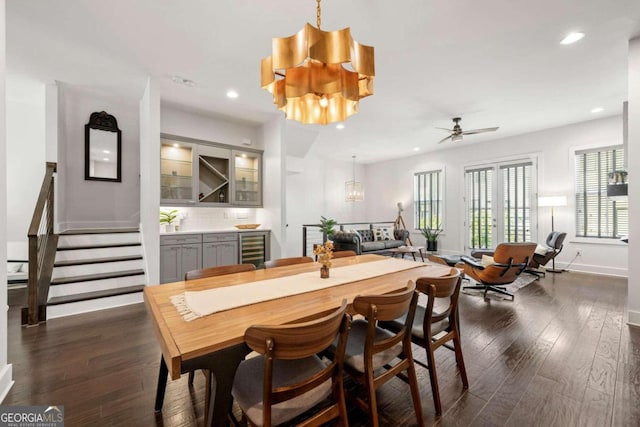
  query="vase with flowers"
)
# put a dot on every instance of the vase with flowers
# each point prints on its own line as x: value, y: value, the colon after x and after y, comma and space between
x: 324, y: 253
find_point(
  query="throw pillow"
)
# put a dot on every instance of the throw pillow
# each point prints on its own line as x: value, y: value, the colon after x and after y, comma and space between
x: 487, y: 260
x: 13, y: 267
x: 542, y: 250
x: 380, y: 234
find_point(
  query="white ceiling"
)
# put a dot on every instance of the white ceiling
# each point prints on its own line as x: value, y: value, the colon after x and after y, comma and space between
x: 492, y: 62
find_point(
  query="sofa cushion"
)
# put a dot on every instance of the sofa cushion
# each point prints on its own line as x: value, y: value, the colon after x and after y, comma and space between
x: 382, y: 233
x: 366, y: 235
x: 372, y: 246
x: 388, y: 244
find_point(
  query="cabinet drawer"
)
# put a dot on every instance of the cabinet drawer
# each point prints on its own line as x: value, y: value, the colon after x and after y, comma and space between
x: 180, y: 239
x: 220, y: 237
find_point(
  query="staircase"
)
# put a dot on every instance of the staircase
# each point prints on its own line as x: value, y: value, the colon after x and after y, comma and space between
x: 94, y: 270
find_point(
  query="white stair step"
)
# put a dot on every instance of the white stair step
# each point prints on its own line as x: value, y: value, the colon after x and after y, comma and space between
x: 107, y: 267
x: 96, y: 285
x: 82, y: 254
x: 66, y: 240
x: 69, y: 309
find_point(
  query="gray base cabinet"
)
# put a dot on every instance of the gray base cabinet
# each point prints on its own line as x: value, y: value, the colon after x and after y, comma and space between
x: 179, y: 254
x: 219, y: 249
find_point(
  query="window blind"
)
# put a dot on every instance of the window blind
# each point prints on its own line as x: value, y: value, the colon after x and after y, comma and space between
x: 479, y: 193
x: 596, y: 214
x: 516, y: 185
x: 428, y: 199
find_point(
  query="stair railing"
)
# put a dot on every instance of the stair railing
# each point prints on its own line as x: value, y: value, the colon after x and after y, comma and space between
x: 42, y: 251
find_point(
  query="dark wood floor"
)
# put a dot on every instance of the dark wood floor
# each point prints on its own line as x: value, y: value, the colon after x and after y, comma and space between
x: 559, y: 355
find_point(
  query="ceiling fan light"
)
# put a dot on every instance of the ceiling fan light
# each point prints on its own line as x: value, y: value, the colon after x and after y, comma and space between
x: 456, y: 138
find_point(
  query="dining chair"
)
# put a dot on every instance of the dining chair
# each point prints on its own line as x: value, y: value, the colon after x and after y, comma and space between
x: 218, y: 271
x: 287, y: 261
x: 201, y: 274
x: 343, y: 254
x: 288, y: 378
x: 371, y: 349
x: 432, y: 329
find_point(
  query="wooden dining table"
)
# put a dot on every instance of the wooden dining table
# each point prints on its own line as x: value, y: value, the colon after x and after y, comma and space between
x: 216, y: 341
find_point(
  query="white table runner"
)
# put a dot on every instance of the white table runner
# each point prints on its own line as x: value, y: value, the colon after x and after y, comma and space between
x: 193, y: 305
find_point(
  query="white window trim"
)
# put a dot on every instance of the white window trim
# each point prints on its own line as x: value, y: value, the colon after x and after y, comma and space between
x: 571, y: 202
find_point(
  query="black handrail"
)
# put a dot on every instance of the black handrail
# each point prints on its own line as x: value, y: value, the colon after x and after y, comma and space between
x: 42, y: 251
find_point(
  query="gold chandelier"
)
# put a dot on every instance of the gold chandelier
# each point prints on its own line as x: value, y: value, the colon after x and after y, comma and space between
x: 307, y: 76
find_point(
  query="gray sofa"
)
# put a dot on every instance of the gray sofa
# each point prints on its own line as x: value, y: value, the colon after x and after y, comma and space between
x: 362, y: 241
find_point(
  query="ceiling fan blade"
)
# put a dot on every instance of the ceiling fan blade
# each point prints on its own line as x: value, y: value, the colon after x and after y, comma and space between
x: 448, y: 130
x: 444, y: 139
x: 471, y: 132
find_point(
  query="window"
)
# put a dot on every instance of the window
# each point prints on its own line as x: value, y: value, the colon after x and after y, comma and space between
x: 479, y: 188
x: 428, y: 199
x: 516, y: 185
x: 596, y: 214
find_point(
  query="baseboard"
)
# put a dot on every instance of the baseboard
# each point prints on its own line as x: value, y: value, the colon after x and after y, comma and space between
x: 75, y: 225
x: 634, y: 318
x: 6, y: 381
x: 593, y: 269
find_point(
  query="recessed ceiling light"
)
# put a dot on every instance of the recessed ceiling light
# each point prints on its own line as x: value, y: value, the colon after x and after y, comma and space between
x: 106, y: 159
x: 597, y: 110
x: 340, y: 126
x: 176, y: 145
x: 416, y: 148
x: 182, y: 81
x: 232, y: 94
x: 106, y: 151
x: 572, y: 38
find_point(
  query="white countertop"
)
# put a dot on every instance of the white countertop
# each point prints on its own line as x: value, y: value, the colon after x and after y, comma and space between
x: 213, y: 230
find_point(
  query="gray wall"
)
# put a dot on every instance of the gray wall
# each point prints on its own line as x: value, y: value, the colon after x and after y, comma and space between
x: 96, y: 204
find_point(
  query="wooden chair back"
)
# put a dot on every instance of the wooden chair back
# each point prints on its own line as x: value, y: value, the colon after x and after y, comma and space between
x: 344, y: 254
x: 441, y: 287
x: 218, y: 271
x: 287, y: 261
x: 387, y: 306
x: 298, y: 341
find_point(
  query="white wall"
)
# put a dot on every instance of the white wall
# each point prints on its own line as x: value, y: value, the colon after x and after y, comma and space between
x: 5, y: 369
x: 25, y: 158
x: 150, y: 179
x: 273, y: 215
x: 209, y: 128
x: 634, y: 190
x: 315, y: 187
x: 96, y: 204
x: 393, y: 182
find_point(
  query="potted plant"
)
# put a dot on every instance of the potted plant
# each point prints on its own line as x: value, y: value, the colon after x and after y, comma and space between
x: 431, y: 235
x: 167, y: 219
x: 327, y: 227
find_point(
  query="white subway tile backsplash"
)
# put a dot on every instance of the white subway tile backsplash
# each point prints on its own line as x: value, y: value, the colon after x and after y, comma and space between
x: 212, y: 218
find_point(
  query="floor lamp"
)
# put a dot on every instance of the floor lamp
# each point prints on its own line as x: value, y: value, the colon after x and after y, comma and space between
x: 552, y: 202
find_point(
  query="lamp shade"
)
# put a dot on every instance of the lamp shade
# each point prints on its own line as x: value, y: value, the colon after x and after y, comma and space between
x: 552, y: 201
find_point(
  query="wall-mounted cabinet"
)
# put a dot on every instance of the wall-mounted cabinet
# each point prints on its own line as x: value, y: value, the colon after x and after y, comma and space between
x: 247, y: 189
x: 176, y: 172
x: 195, y: 172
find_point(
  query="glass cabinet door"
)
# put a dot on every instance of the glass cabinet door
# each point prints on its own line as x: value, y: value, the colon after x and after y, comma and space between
x: 176, y: 172
x: 247, y: 178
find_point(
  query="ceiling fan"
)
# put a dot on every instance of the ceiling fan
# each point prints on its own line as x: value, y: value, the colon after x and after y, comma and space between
x: 457, y: 132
